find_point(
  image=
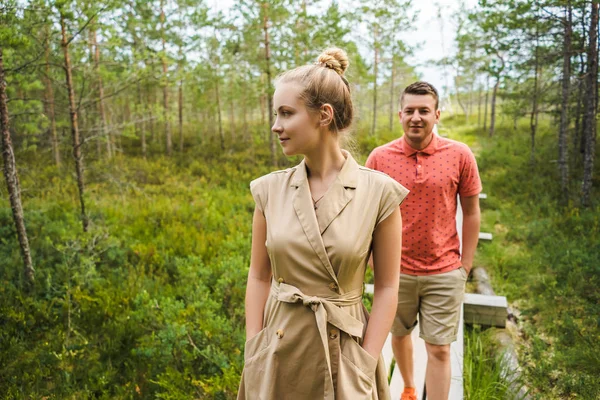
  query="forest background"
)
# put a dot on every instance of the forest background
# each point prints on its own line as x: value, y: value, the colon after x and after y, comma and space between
x: 130, y: 132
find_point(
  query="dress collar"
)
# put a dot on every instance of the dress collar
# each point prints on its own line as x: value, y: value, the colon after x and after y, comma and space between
x: 347, y: 176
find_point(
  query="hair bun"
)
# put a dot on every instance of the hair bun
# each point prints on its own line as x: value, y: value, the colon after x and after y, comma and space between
x: 335, y: 59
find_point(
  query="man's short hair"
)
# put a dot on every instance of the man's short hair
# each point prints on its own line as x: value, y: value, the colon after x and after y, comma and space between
x: 421, y: 88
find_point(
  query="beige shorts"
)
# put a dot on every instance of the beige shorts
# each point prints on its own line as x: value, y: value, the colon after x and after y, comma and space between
x: 436, y: 299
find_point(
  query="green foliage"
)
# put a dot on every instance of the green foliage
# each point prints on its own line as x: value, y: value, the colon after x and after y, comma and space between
x: 545, y: 258
x: 149, y: 303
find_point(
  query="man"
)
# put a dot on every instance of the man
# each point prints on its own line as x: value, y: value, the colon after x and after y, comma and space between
x: 433, y: 272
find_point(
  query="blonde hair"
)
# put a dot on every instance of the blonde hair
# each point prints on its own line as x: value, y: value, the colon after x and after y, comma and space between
x: 324, y: 83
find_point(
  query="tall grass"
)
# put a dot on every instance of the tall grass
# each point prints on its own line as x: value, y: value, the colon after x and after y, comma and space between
x: 544, y: 257
x: 487, y: 374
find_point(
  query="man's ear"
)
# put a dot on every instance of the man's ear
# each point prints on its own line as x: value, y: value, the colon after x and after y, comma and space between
x: 326, y: 115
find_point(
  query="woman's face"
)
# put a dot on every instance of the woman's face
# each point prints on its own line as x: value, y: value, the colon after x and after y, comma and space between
x: 296, y: 126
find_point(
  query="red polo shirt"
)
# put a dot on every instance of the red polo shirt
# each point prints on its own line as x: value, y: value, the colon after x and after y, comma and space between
x: 434, y: 176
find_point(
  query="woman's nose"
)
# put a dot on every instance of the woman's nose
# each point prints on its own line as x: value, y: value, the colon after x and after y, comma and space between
x: 276, y: 128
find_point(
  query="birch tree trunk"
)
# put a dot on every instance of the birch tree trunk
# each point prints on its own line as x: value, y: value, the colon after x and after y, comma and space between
x: 12, y: 179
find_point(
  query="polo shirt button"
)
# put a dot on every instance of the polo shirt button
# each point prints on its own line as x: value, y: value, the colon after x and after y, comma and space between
x: 333, y: 286
x: 279, y: 333
x: 333, y: 334
x: 280, y: 280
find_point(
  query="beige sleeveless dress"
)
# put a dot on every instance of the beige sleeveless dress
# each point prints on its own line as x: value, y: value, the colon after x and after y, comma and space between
x: 314, y: 320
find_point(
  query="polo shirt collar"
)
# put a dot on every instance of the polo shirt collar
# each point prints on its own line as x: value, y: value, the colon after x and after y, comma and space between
x: 429, y: 150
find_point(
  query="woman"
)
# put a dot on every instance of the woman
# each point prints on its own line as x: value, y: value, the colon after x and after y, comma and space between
x: 313, y: 230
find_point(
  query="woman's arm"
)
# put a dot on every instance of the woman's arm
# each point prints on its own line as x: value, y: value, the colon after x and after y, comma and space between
x: 387, y: 250
x: 259, y: 276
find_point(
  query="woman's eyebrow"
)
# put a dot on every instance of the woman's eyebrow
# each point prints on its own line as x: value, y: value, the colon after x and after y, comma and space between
x: 284, y: 106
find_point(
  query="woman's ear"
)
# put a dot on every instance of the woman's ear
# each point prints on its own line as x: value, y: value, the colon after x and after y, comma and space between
x: 326, y: 115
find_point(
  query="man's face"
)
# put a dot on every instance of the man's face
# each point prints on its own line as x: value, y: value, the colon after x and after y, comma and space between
x: 418, y: 117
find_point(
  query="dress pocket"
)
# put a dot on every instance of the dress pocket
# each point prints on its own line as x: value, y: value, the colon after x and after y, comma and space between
x: 356, y: 375
x: 259, y: 374
x: 256, y: 345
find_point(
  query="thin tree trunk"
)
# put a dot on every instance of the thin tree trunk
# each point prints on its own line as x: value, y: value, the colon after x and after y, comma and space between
x: 265, y: 5
x: 50, y: 103
x: 579, y: 120
x: 534, y: 109
x: 470, y: 104
x: 460, y: 102
x: 263, y: 108
x: 563, y: 150
x: 392, y: 113
x: 231, y: 110
x: 151, y: 119
x: 180, y: 101
x: 487, y: 95
x: 375, y: 65
x: 101, y: 105
x: 142, y: 116
x: 218, y: 98
x: 245, y: 112
x: 479, y: 107
x: 77, y: 155
x: 169, y: 143
x: 12, y: 179
x: 493, y: 110
x: 591, y: 110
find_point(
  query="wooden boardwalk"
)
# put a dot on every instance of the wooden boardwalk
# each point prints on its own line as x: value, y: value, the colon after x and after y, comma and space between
x: 420, y: 362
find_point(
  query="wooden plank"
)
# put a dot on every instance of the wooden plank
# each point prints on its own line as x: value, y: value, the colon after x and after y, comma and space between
x: 485, y: 310
x: 485, y: 236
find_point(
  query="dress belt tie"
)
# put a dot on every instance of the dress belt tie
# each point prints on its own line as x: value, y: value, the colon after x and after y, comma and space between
x: 326, y: 309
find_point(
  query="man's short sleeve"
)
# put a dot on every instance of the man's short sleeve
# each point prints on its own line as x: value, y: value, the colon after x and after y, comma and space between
x: 258, y: 188
x: 372, y: 161
x: 470, y: 183
x: 392, y: 196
